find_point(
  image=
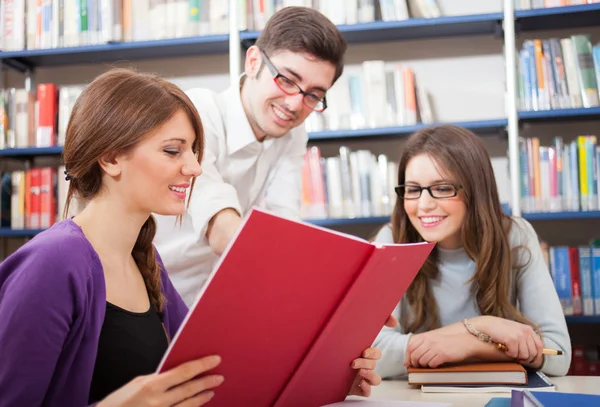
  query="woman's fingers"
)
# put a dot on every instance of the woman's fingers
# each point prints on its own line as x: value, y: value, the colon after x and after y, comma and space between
x: 362, y: 363
x: 370, y: 376
x: 193, y: 388
x: 186, y: 371
x: 198, y: 400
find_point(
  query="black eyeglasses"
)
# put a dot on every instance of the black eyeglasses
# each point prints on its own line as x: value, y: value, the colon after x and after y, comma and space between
x: 435, y: 191
x: 291, y: 88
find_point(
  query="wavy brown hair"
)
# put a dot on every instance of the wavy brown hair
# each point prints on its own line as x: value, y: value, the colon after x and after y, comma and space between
x: 115, y: 112
x: 485, y: 231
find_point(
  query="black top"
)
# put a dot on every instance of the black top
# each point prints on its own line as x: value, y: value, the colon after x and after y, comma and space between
x: 131, y: 344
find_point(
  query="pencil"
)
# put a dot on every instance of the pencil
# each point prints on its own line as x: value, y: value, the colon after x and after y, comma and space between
x: 545, y: 351
x: 552, y: 352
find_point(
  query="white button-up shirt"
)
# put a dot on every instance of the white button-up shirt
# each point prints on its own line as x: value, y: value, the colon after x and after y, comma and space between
x: 238, y: 172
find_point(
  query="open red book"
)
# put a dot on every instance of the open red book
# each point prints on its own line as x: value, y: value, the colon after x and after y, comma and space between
x: 288, y: 307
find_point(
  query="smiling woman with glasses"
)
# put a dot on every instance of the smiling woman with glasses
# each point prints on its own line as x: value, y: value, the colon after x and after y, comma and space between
x: 485, y: 283
x: 291, y: 88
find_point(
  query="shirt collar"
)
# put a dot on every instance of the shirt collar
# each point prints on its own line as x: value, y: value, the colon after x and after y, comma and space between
x: 239, y: 131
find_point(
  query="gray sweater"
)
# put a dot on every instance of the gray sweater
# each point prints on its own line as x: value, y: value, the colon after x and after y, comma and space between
x: 533, y: 292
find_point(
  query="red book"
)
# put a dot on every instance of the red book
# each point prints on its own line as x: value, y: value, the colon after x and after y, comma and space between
x: 288, y: 307
x: 575, y: 281
x: 47, y: 198
x: 35, y: 203
x: 47, y: 115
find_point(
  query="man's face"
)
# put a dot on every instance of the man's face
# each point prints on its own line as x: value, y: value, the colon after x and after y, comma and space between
x: 270, y: 110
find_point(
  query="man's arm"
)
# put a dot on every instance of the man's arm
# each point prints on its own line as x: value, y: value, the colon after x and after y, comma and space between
x: 214, y: 206
x: 221, y: 229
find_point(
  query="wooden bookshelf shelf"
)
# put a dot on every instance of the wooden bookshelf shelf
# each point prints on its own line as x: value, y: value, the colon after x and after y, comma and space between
x: 30, y: 151
x: 562, y: 215
x: 480, y: 127
x: 583, y: 319
x: 8, y: 232
x: 170, y: 48
x: 552, y: 18
x: 528, y: 216
x: 344, y: 221
x: 584, y: 113
x: 414, y: 28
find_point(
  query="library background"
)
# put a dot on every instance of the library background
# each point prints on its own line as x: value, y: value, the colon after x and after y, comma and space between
x: 522, y: 74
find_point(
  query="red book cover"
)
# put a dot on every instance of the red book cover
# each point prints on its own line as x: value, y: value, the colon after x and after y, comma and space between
x: 47, y: 199
x: 34, y: 196
x: 575, y: 281
x: 288, y: 307
x: 47, y: 115
x: 27, y: 195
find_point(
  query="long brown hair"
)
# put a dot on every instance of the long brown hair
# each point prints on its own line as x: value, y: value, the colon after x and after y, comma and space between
x: 115, y: 112
x: 485, y: 231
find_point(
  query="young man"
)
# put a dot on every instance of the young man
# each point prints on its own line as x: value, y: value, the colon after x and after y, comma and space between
x: 255, y: 141
x: 254, y: 148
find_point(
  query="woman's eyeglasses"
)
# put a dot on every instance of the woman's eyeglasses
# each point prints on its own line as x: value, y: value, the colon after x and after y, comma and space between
x: 435, y: 191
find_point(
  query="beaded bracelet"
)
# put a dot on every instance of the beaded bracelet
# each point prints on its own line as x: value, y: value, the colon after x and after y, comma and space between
x: 480, y: 335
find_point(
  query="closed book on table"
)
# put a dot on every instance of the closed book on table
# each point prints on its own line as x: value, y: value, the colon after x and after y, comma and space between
x: 469, y: 373
x: 536, y: 381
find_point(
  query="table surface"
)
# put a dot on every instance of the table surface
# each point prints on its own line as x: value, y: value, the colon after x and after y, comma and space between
x: 401, y: 391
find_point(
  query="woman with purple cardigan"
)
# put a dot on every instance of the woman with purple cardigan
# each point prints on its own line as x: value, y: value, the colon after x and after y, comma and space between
x: 87, y: 308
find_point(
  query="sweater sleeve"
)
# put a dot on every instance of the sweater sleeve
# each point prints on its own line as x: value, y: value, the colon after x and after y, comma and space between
x: 538, y: 300
x: 41, y: 295
x: 392, y: 343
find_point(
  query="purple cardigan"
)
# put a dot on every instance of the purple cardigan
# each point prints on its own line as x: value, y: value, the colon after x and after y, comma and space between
x: 52, y: 304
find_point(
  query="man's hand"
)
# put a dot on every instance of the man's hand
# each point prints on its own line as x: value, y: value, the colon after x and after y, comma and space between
x: 222, y: 228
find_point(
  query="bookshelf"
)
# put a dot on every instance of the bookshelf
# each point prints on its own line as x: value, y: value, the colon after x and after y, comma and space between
x: 582, y: 319
x: 30, y: 152
x: 18, y: 233
x: 494, y: 24
x: 415, y: 28
x: 482, y: 23
x: 556, y: 115
x: 552, y: 18
x: 111, y: 52
x: 493, y: 126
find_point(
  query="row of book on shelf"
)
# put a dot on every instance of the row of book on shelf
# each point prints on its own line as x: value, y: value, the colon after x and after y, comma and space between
x: 352, y: 184
x: 575, y: 272
x: 35, y: 198
x: 346, y: 11
x: 43, y: 24
x: 536, y: 4
x: 585, y: 360
x: 561, y: 177
x: 374, y: 96
x: 558, y: 73
x: 36, y: 118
